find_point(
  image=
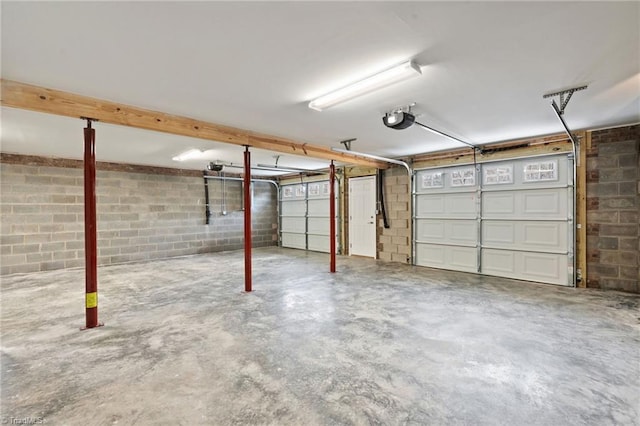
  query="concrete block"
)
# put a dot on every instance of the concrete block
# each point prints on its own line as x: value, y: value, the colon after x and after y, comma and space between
x: 629, y: 272
x: 26, y: 208
x: 64, y: 218
x: 65, y: 255
x: 628, y: 258
x: 401, y: 241
x: 29, y: 228
x: 74, y: 263
x: 630, y: 174
x: 52, y: 247
x: 403, y: 232
x: 390, y: 231
x: 390, y: 248
x: 11, y: 239
x: 50, y: 266
x: 400, y: 224
x: 74, y: 245
x: 629, y: 217
x: 26, y: 248
x: 612, y: 148
x: 628, y: 160
x: 630, y: 243
x: 608, y: 243
x: 611, y: 216
x: 41, y: 181
x: 37, y: 238
x: 63, y: 236
x: 25, y: 268
x: 619, y: 230
x: 404, y: 250
x: 400, y: 189
x: 39, y: 257
x: 399, y: 206
x: 619, y: 284
x: 13, y: 259
x: 399, y: 257
x: 604, y: 270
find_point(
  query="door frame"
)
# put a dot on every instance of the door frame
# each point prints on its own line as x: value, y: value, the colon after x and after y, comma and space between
x: 375, y: 228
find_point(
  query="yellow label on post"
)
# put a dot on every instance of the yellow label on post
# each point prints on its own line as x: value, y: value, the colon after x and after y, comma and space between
x: 92, y: 300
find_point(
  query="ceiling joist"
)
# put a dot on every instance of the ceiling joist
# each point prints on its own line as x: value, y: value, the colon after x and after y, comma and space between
x: 40, y: 99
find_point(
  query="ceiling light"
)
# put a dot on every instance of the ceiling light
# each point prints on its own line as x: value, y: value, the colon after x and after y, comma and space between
x: 378, y: 81
x: 188, y: 155
x: 284, y: 168
x: 398, y: 120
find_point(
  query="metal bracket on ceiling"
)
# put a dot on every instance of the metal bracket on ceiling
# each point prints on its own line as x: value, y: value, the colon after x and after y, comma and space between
x: 347, y: 143
x: 89, y: 120
x: 559, y: 110
x: 563, y: 100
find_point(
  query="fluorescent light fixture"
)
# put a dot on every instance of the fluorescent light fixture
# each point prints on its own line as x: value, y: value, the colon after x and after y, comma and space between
x: 188, y: 155
x: 378, y: 81
x: 284, y: 168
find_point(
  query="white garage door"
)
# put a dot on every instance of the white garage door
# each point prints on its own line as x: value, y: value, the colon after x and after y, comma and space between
x: 304, y: 216
x: 510, y: 218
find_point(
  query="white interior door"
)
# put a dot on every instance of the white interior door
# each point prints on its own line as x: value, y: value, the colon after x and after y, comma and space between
x: 362, y: 216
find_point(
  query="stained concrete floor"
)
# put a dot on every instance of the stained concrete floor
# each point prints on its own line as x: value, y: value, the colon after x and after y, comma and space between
x: 374, y: 344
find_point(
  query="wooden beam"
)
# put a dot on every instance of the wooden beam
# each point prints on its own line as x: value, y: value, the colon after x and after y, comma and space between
x: 34, y: 98
x: 581, y: 206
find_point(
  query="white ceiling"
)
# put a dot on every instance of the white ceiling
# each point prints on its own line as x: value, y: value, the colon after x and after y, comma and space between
x: 256, y: 65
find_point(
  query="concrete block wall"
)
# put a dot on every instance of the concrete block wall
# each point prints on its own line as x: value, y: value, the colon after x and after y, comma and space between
x: 143, y: 213
x: 394, y: 242
x: 613, y: 209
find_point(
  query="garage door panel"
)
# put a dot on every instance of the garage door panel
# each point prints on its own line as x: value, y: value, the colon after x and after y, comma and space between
x: 447, y: 257
x: 430, y: 205
x: 430, y: 255
x: 463, y: 258
x: 528, y: 236
x: 294, y: 208
x: 293, y: 224
x: 318, y: 225
x: 545, y: 235
x: 498, y: 262
x: 543, y: 202
x: 291, y: 240
x: 443, y: 231
x: 319, y: 207
x: 461, y: 205
x: 430, y: 230
x: 533, y: 204
x: 501, y: 204
x: 319, y: 243
x: 463, y: 231
x: 499, y: 233
x: 541, y: 267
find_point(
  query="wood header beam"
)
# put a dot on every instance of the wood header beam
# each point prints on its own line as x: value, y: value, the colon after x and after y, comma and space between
x: 40, y: 99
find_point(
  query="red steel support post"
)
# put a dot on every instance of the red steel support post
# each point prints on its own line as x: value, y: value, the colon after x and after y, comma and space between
x: 247, y: 219
x: 332, y: 216
x: 90, y: 228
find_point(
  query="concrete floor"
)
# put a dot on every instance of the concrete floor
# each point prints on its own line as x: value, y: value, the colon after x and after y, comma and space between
x: 376, y: 343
